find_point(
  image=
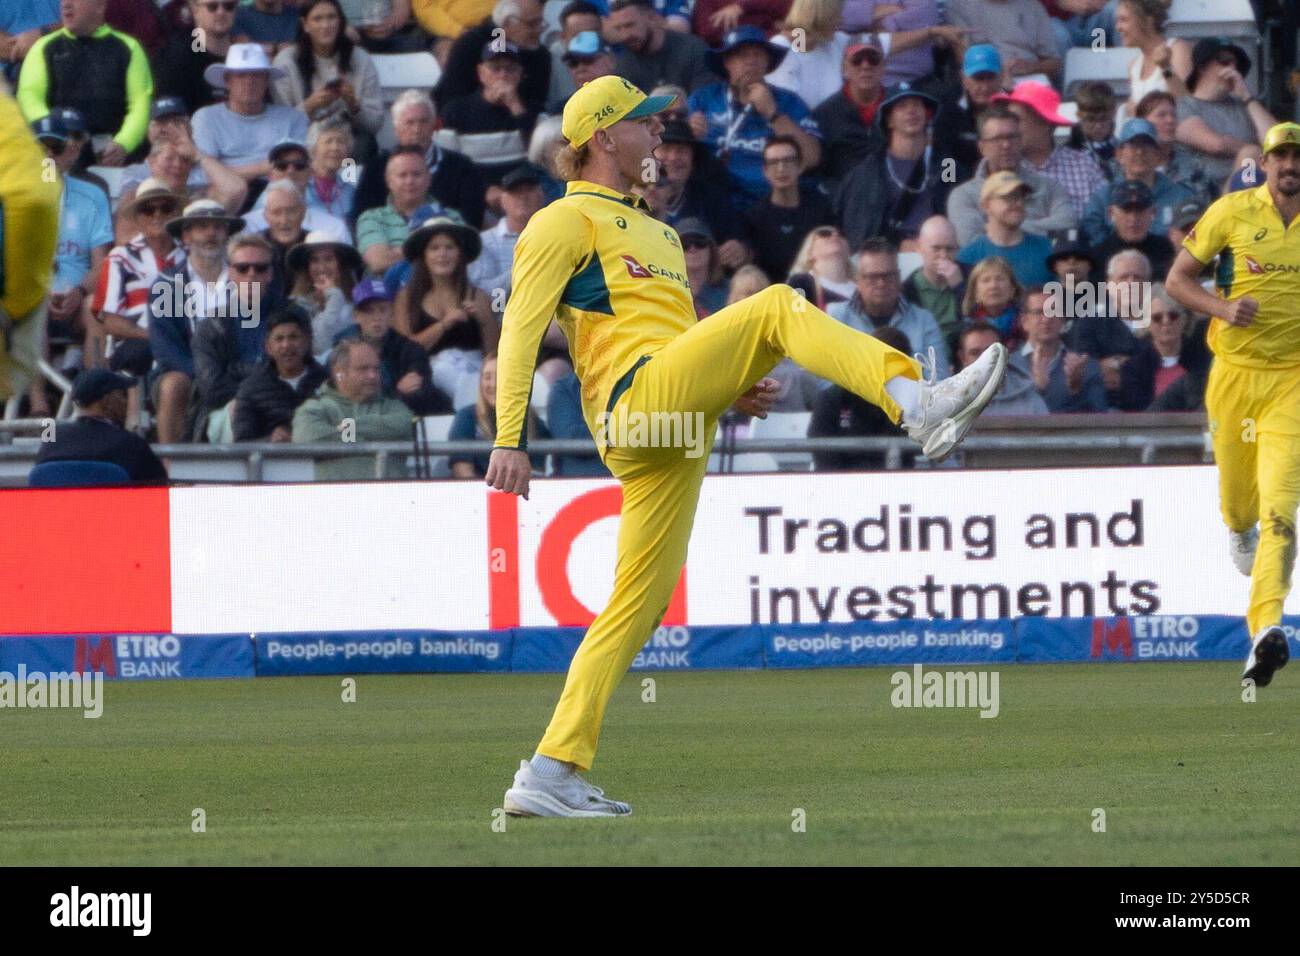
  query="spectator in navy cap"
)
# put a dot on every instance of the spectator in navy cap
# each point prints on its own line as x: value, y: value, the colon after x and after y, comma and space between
x: 1137, y: 155
x: 1132, y: 211
x: 175, y: 159
x: 521, y: 196
x: 98, y: 434
x: 516, y: 22
x: 85, y: 236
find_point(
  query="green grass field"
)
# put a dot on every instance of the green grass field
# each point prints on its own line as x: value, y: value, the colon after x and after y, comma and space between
x: 411, y: 773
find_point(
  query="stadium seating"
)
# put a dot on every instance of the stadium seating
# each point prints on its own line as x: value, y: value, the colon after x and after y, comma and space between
x: 1083, y: 64
x: 77, y: 474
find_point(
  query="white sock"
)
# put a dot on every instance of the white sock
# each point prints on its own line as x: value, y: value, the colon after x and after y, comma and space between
x: 906, y: 392
x: 545, y: 766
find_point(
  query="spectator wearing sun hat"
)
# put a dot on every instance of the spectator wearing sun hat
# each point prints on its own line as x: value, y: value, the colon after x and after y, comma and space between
x: 1220, y: 117
x: 240, y: 132
x: 441, y: 309
x: 180, y: 298
x: 1038, y: 107
x: 323, y: 269
x: 737, y: 116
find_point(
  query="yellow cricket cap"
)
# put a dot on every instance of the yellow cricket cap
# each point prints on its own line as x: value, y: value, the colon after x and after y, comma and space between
x: 1283, y: 134
x: 604, y: 101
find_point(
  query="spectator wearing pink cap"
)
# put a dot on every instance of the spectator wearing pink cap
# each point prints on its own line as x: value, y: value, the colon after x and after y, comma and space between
x: 1038, y: 107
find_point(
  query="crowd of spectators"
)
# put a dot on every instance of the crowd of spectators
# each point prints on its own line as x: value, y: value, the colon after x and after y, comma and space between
x: 292, y: 247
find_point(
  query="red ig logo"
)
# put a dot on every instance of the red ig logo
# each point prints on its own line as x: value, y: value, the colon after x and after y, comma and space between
x: 551, y: 571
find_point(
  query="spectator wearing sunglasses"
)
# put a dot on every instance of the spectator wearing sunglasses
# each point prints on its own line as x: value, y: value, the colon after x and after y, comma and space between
x: 1168, y: 370
x: 703, y: 267
x: 290, y: 162
x: 229, y: 345
x: 122, y: 295
x: 182, y: 297
x: 178, y: 68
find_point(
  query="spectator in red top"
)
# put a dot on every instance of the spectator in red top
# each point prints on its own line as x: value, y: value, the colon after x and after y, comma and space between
x: 713, y: 19
x: 140, y: 19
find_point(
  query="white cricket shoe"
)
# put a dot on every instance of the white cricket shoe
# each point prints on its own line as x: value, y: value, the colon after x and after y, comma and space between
x: 946, y: 410
x: 1268, y: 654
x: 567, y: 796
x: 1242, y: 545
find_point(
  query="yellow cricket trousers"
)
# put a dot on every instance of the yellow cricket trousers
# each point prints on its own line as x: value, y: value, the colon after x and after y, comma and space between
x: 1255, y: 422
x: 704, y: 370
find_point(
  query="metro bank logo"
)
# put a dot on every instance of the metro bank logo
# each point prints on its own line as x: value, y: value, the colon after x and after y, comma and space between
x: 1111, y: 639
x: 1165, y: 637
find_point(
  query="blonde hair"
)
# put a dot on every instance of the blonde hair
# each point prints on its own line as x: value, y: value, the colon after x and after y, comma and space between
x: 485, y: 417
x: 569, y: 161
x: 747, y: 281
x: 982, y: 268
x: 803, y: 261
x: 818, y: 19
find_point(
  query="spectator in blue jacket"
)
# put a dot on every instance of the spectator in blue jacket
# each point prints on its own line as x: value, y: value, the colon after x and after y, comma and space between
x: 181, y: 297
x: 737, y: 117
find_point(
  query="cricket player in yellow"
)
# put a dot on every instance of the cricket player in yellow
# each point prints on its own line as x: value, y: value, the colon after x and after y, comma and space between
x: 615, y: 280
x: 29, y: 233
x: 1253, y: 395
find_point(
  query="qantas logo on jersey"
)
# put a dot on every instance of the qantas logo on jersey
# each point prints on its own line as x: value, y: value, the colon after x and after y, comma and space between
x: 638, y: 271
x: 634, y: 268
x: 1256, y: 268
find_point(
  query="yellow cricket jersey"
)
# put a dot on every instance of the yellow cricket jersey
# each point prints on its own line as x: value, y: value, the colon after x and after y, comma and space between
x: 29, y: 215
x: 1258, y: 257
x: 615, y: 279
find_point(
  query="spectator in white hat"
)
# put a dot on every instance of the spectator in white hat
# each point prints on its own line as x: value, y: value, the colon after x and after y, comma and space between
x: 240, y: 132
